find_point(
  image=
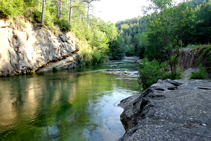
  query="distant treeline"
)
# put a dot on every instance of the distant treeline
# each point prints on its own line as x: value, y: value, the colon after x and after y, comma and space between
x: 170, y: 27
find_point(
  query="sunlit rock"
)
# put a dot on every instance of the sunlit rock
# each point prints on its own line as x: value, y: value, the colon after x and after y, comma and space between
x: 25, y: 51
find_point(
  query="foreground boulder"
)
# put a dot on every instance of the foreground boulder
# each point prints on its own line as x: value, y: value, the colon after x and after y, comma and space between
x: 169, y: 110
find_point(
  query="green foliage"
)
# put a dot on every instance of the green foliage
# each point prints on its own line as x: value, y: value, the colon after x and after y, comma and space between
x: 86, y: 55
x: 160, y: 4
x: 141, y: 42
x: 155, y: 49
x: 130, y: 31
x: 55, y: 69
x: 49, y: 19
x: 151, y: 72
x: 206, y: 51
x: 99, y: 40
x: 196, y: 46
x: 130, y: 50
x: 37, y: 16
x: 117, y: 51
x: 169, y: 27
x: 81, y: 62
x: 199, y: 75
x: 64, y: 25
x: 111, y: 31
x: 96, y: 56
x: 11, y: 8
x: 174, y: 74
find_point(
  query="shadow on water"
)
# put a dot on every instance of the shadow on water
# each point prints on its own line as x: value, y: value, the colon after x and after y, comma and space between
x: 66, y: 105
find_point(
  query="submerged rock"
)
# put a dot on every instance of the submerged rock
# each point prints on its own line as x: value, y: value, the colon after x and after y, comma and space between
x: 169, y: 110
x: 120, y: 72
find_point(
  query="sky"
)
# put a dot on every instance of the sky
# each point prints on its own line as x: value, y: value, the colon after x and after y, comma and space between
x: 115, y: 10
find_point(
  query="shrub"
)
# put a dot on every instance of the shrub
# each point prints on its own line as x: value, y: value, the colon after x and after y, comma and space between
x: 206, y: 51
x: 81, y: 62
x: 48, y: 19
x: 11, y: 8
x: 64, y: 25
x: 55, y: 68
x: 174, y: 74
x: 130, y: 50
x: 96, y: 57
x: 199, y: 75
x: 151, y: 72
x: 86, y: 55
x: 37, y: 16
x: 117, y: 50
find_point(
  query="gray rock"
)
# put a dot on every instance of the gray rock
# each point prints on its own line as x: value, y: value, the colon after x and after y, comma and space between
x: 120, y: 72
x: 187, y: 73
x: 68, y: 63
x: 192, y: 58
x: 63, y: 38
x: 28, y: 50
x: 169, y: 110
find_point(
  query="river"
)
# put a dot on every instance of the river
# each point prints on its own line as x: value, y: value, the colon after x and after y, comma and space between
x: 70, y: 105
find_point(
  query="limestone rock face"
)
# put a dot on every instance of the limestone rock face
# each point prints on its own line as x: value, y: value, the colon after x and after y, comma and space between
x: 192, y: 58
x: 169, y: 110
x: 68, y: 63
x: 27, y: 51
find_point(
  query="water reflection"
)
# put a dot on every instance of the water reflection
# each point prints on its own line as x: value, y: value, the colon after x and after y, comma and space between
x: 63, y: 106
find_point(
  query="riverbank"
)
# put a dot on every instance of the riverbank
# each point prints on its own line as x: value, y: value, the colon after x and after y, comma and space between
x: 169, y: 110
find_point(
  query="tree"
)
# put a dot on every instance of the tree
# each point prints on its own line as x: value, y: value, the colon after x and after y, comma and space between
x: 59, y: 9
x: 183, y: 15
x: 70, y: 13
x: 88, y: 8
x: 158, y: 5
x: 202, y: 29
x: 117, y: 50
x: 43, y: 10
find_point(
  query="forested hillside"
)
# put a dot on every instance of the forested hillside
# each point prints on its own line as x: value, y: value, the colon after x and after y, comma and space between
x: 169, y: 27
x: 132, y: 31
x: 96, y: 36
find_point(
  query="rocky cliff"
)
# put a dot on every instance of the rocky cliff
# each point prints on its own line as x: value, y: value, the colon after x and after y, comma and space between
x: 169, y: 110
x: 28, y: 49
x: 192, y: 58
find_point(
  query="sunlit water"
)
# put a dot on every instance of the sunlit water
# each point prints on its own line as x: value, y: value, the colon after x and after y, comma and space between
x: 65, y: 106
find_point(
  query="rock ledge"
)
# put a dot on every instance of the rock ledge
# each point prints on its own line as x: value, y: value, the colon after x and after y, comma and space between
x: 169, y: 110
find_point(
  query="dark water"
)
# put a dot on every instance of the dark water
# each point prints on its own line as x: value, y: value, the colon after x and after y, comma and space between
x: 66, y: 105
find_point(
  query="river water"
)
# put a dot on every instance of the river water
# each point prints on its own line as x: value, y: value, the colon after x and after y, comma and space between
x: 71, y: 105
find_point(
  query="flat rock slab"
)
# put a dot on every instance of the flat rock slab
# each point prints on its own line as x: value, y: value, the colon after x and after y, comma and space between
x: 169, y: 110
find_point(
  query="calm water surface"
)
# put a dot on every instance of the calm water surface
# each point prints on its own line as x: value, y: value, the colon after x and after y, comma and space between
x: 65, y: 106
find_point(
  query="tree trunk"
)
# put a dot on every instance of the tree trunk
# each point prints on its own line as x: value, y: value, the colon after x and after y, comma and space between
x: 70, y: 15
x: 88, y: 14
x: 60, y: 9
x: 43, y: 9
x: 38, y: 3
